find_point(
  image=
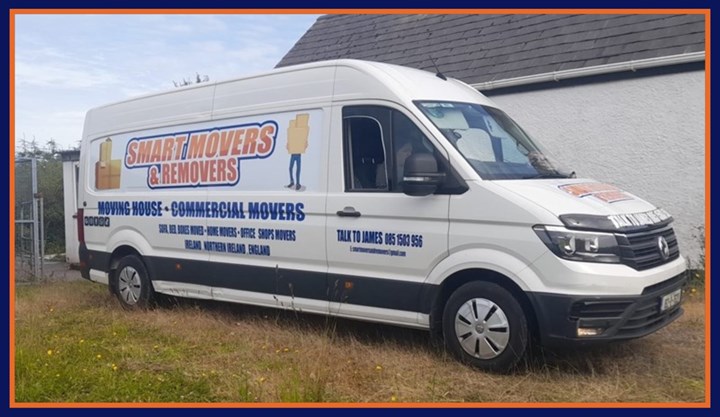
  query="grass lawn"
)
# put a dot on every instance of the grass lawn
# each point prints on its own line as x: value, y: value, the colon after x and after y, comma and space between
x: 73, y: 343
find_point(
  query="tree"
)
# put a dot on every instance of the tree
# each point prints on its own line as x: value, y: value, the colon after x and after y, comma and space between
x: 50, y: 186
x: 198, y: 79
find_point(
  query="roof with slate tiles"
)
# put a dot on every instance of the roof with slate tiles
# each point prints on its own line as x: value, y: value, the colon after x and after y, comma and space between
x: 484, y: 47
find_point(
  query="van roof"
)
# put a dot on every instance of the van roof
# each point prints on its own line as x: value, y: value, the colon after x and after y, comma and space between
x: 306, y: 85
x: 368, y: 66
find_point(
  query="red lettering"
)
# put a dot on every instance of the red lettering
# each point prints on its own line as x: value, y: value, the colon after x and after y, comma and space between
x: 167, y: 153
x: 212, y: 170
x: 144, y: 150
x: 232, y: 172
x: 221, y: 163
x: 237, y: 142
x: 204, y: 170
x: 226, y: 137
x: 250, y: 143
x: 179, y: 142
x: 184, y: 172
x: 267, y: 133
x: 131, y: 153
x: 156, y: 155
x: 212, y: 145
x: 165, y: 174
x: 194, y: 172
x: 173, y: 172
x: 196, y: 146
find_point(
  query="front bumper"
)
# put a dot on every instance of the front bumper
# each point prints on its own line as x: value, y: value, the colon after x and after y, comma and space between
x: 620, y: 317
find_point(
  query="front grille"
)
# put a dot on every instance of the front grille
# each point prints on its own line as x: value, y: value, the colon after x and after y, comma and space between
x: 640, y: 250
x: 628, y: 317
x: 647, y: 315
x: 598, y: 309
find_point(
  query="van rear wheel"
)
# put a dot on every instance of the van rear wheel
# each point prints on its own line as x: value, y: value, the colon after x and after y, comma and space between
x: 131, y: 283
x: 485, y: 326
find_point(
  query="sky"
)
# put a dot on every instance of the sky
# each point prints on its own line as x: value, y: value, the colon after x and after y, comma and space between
x: 68, y: 64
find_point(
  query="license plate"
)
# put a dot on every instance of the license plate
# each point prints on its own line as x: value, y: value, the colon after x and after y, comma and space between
x: 670, y: 300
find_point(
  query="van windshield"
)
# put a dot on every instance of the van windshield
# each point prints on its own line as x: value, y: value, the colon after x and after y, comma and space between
x: 495, y: 146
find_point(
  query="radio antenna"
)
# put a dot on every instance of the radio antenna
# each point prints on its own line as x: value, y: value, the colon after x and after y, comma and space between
x: 438, y: 74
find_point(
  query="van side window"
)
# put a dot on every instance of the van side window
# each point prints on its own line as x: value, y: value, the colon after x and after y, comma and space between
x: 377, y: 141
x: 365, y: 162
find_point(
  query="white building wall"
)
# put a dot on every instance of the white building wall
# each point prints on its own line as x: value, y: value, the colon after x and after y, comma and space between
x: 645, y: 135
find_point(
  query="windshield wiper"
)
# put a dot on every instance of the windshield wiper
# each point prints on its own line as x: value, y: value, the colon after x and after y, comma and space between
x: 548, y: 175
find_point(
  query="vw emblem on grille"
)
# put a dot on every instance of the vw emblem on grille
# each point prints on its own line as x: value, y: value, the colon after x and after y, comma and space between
x: 663, y: 247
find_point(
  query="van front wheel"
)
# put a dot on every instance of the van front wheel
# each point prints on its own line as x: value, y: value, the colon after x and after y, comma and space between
x: 485, y: 326
x: 131, y: 283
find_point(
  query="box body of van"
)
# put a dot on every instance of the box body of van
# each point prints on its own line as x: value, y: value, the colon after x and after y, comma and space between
x: 374, y: 192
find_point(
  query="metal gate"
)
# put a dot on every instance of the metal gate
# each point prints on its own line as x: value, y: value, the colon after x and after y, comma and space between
x: 29, y: 235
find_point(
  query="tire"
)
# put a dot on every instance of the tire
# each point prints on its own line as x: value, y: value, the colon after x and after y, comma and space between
x: 131, y: 284
x: 485, y: 326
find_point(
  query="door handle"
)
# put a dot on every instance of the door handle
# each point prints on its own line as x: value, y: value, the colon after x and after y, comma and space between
x: 348, y: 212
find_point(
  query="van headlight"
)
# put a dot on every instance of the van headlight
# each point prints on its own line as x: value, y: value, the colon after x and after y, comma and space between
x: 574, y: 245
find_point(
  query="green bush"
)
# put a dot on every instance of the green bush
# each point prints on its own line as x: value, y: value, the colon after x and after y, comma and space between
x: 696, y: 267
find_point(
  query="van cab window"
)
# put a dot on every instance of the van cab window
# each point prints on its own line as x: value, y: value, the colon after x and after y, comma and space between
x: 494, y: 145
x: 364, y: 154
x: 377, y: 142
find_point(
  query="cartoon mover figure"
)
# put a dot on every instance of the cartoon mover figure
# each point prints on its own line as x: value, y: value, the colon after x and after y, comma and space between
x: 297, y: 143
x: 107, y: 171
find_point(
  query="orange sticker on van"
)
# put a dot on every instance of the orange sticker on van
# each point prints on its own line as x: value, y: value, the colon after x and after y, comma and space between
x: 604, y: 192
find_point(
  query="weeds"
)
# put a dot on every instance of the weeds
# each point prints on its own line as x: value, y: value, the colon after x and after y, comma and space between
x: 696, y: 268
x: 74, y: 343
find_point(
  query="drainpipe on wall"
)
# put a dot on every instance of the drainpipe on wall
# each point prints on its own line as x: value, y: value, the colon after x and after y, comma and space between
x: 589, y: 71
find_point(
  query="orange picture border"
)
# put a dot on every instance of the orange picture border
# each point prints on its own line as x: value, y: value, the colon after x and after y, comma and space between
x: 15, y: 404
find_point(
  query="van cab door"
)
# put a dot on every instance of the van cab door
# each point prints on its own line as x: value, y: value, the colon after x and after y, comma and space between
x: 381, y: 243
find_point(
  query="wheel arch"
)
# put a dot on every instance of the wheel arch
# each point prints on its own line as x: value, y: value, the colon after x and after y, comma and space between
x: 460, y: 278
x: 506, y: 270
x: 124, y: 242
x: 121, y: 252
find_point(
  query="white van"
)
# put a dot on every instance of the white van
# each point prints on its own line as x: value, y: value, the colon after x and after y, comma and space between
x: 373, y: 192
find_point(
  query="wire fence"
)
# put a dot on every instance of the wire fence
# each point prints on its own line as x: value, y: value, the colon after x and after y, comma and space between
x: 29, y: 236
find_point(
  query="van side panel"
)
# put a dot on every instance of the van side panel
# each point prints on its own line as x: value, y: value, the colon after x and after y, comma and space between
x: 209, y: 205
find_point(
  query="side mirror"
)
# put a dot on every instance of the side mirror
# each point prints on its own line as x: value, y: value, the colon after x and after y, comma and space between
x: 420, y: 175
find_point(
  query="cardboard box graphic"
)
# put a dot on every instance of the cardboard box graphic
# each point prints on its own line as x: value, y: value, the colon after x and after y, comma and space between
x: 102, y: 175
x: 115, y: 166
x: 302, y: 120
x: 107, y: 171
x: 106, y: 150
x: 297, y: 134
